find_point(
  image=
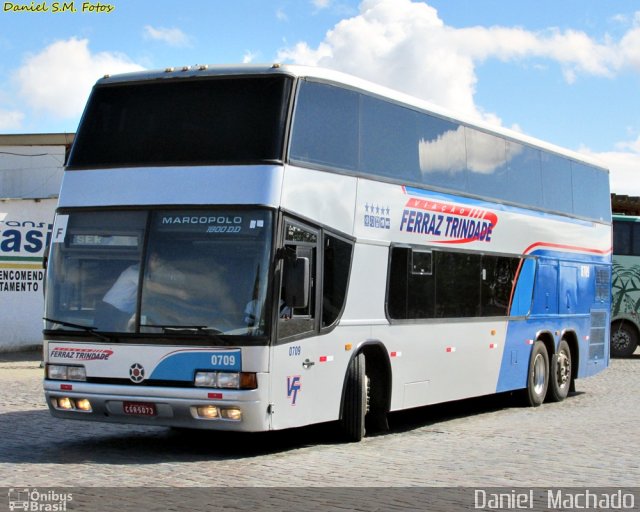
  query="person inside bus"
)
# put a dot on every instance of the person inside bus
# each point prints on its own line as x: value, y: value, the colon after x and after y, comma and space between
x: 116, y: 312
x: 251, y: 311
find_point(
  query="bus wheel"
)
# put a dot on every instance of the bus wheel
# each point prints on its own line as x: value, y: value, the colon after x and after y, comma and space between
x: 561, y: 373
x: 354, y: 407
x: 624, y: 339
x: 538, y: 378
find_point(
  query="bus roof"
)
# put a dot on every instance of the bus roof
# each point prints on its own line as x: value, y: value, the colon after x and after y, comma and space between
x: 347, y: 80
x: 625, y: 218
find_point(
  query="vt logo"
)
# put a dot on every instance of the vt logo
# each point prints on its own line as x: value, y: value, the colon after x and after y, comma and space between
x: 293, y: 386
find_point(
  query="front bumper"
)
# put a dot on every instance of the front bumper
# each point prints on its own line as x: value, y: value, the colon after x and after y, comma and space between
x: 174, y: 407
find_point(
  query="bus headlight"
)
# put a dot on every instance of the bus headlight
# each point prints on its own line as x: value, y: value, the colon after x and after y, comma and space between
x: 226, y: 380
x: 66, y: 372
x: 205, y: 379
x: 229, y: 380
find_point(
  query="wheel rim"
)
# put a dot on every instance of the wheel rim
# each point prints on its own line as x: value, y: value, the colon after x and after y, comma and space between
x: 564, y: 369
x: 621, y: 339
x: 539, y: 374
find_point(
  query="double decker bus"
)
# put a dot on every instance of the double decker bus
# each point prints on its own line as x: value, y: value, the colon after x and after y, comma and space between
x: 625, y: 288
x: 265, y: 247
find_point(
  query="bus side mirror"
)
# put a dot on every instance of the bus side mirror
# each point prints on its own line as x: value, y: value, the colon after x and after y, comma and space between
x: 295, y: 282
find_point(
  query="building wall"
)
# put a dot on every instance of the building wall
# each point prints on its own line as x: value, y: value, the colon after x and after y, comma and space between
x: 31, y: 169
x: 25, y: 225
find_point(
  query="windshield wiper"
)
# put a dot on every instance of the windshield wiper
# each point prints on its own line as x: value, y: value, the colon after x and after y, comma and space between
x: 89, y: 329
x: 203, y: 329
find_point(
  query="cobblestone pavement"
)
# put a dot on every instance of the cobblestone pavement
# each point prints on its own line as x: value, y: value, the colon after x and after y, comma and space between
x: 590, y: 439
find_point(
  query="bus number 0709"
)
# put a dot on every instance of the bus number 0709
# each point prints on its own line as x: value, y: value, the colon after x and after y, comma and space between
x: 295, y: 350
x: 223, y: 360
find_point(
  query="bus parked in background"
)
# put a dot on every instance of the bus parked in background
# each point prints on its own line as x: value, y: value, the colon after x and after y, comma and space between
x: 257, y: 248
x: 625, y: 286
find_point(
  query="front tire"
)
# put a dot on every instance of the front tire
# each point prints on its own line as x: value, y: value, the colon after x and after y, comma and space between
x: 624, y: 339
x: 561, y: 373
x: 354, y: 406
x: 538, y: 377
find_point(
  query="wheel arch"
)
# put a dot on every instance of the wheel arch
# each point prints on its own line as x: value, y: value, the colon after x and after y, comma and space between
x: 548, y: 339
x: 378, y: 368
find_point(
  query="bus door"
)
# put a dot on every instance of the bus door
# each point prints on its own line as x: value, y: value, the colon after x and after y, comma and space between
x: 295, y: 379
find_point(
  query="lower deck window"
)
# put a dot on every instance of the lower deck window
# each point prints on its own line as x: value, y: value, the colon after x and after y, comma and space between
x: 457, y: 284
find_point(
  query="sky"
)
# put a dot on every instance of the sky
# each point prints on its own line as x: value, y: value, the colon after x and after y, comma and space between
x: 564, y: 71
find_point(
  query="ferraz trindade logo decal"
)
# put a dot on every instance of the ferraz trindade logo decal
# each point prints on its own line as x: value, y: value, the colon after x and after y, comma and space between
x: 447, y: 223
x: 136, y: 373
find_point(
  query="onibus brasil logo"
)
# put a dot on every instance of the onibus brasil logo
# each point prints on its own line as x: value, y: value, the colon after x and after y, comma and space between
x: 38, y: 501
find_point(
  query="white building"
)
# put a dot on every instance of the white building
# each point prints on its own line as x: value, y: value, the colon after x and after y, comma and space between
x: 31, y: 168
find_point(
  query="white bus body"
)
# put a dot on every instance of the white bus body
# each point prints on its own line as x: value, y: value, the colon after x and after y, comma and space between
x: 415, y: 293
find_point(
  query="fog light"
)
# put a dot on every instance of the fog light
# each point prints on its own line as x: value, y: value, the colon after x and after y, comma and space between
x: 208, y: 411
x: 231, y: 413
x: 83, y: 404
x: 64, y: 403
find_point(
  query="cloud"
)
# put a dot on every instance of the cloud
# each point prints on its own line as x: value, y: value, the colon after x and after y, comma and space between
x: 58, y: 80
x: 249, y: 57
x: 405, y: 45
x: 281, y: 15
x: 321, y: 4
x: 171, y: 36
x: 624, y: 166
x: 10, y: 120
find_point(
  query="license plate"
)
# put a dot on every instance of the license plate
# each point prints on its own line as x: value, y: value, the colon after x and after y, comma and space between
x: 139, y: 408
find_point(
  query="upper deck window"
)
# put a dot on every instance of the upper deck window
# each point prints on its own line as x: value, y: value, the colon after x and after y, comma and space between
x: 337, y: 128
x: 184, y: 122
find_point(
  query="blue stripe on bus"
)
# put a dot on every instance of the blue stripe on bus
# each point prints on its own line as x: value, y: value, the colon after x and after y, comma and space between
x: 182, y: 366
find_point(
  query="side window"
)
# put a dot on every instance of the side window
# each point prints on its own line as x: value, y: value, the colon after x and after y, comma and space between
x: 498, y: 275
x: 524, y: 183
x: 337, y: 263
x: 457, y: 285
x: 299, y: 242
x: 425, y: 284
x: 486, y: 164
x: 388, y: 138
x: 556, y: 183
x: 635, y: 244
x: 325, y: 126
x: 590, y: 192
x: 622, y: 237
x: 411, y: 290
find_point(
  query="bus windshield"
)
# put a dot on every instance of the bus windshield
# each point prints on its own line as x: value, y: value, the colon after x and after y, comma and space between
x: 235, y: 120
x: 175, y: 271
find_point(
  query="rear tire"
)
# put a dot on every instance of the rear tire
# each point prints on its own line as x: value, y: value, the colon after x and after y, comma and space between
x: 561, y: 373
x: 538, y: 377
x: 354, y: 407
x: 624, y: 339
